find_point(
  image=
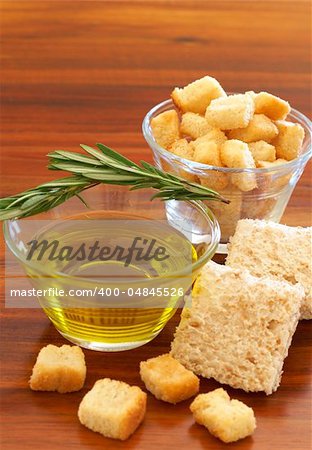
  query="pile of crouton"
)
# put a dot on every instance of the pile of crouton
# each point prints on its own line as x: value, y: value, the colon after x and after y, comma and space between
x: 221, y: 132
x: 243, y: 131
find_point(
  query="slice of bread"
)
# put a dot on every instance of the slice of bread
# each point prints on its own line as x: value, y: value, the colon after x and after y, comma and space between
x: 228, y: 420
x: 168, y: 380
x: 239, y: 328
x: 60, y: 369
x: 113, y: 408
x: 272, y: 249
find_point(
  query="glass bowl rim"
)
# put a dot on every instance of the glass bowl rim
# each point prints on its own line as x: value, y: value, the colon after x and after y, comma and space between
x: 199, y: 167
x: 205, y: 257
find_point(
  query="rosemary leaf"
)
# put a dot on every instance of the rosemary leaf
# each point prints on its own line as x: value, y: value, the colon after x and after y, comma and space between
x: 102, y: 165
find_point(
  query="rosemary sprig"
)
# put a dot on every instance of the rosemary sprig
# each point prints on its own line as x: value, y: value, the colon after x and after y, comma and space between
x: 102, y: 165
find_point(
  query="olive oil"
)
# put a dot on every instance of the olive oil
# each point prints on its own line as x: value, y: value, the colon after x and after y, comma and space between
x: 100, y: 303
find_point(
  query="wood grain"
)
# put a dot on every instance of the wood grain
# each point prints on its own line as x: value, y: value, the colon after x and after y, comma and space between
x: 88, y: 71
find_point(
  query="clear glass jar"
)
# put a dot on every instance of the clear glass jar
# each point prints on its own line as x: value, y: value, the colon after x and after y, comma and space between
x: 267, y: 200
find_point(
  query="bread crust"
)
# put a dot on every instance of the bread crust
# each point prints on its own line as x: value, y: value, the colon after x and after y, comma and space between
x: 274, y: 250
x: 239, y: 328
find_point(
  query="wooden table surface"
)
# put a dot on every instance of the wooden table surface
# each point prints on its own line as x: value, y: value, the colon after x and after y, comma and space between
x: 87, y: 71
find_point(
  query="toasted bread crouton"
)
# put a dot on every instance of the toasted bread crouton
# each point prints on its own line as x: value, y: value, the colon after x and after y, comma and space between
x: 182, y: 148
x: 165, y: 128
x: 60, y: 369
x: 289, y: 141
x: 214, y: 180
x: 194, y: 125
x: 113, y: 408
x: 271, y: 164
x: 226, y: 214
x: 188, y: 176
x: 227, y: 113
x: 262, y: 151
x: 239, y: 327
x: 171, y: 166
x: 207, y: 151
x: 226, y: 419
x: 273, y: 181
x: 259, y: 128
x: 272, y: 106
x: 236, y: 154
x: 168, y: 380
x: 196, y: 96
x: 269, y: 249
x: 262, y: 208
x: 215, y: 135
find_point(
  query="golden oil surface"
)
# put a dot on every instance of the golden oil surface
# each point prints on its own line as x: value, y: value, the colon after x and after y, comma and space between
x: 91, y: 321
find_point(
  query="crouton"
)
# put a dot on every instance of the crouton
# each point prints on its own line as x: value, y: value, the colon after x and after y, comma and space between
x: 262, y: 151
x: 214, y: 180
x: 168, y: 380
x: 165, y: 128
x: 113, y: 408
x: 182, y: 148
x: 196, y: 96
x: 194, y: 125
x: 260, y: 209
x: 271, y: 164
x: 272, y: 249
x: 226, y: 214
x: 175, y: 169
x: 289, y: 141
x: 207, y: 152
x: 272, y: 106
x: 239, y: 327
x: 259, y: 128
x: 188, y: 176
x: 236, y: 154
x: 272, y: 180
x: 60, y: 369
x: 227, y: 113
x: 226, y: 419
x: 206, y: 148
x: 215, y: 135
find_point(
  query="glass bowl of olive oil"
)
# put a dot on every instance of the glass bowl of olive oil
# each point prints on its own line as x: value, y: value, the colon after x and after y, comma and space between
x: 109, y: 276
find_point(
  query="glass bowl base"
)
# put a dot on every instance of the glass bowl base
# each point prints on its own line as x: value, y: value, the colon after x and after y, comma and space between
x: 105, y: 346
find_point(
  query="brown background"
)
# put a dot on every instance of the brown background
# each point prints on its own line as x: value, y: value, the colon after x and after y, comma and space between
x: 83, y: 71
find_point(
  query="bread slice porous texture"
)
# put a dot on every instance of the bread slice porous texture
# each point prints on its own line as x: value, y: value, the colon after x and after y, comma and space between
x: 276, y: 250
x: 238, y: 328
x: 113, y: 408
